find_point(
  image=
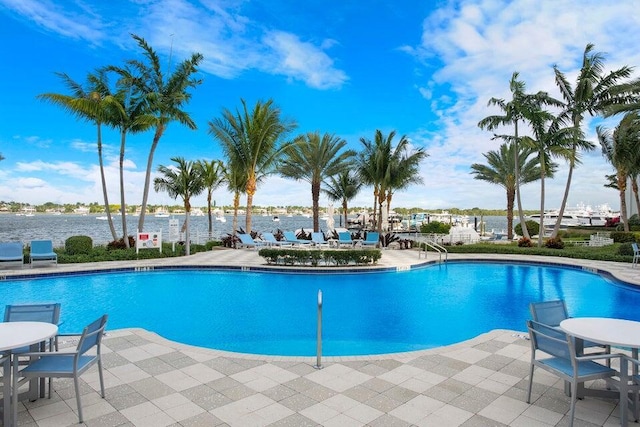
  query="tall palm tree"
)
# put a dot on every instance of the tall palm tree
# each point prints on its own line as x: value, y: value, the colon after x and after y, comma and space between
x: 236, y: 179
x: 183, y: 180
x: 550, y: 139
x: 593, y: 94
x: 313, y: 158
x: 515, y: 112
x: 93, y: 103
x: 501, y: 170
x: 213, y: 177
x: 343, y: 187
x: 163, y: 97
x: 368, y: 168
x: 129, y: 117
x: 252, y: 140
x: 621, y: 149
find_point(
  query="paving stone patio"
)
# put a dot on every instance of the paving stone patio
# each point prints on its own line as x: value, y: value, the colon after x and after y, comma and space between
x: 151, y: 381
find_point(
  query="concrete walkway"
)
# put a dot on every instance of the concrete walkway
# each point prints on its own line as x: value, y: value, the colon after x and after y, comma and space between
x: 155, y: 382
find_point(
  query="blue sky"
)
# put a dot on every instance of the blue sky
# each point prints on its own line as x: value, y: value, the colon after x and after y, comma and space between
x: 425, y: 69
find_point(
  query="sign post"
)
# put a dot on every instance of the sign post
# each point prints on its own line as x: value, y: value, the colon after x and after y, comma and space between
x: 174, y: 233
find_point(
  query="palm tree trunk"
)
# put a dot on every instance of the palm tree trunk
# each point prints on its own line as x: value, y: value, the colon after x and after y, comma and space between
x: 622, y: 187
x: 236, y: 206
x: 249, y: 208
x: 209, y: 213
x: 123, y: 217
x: 104, y: 185
x: 187, y: 236
x: 315, y: 197
x: 634, y: 188
x: 556, y: 227
x: 511, y: 194
x: 541, y: 229
x: 525, y: 232
x: 147, y: 179
x: 344, y: 210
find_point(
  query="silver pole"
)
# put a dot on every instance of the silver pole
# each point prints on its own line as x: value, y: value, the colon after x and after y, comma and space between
x: 319, y: 339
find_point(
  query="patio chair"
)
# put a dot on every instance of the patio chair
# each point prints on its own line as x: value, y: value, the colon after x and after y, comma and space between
x: 291, y: 237
x: 246, y: 241
x: 344, y: 239
x: 636, y: 254
x: 11, y: 254
x: 318, y: 240
x: 559, y: 358
x: 371, y: 240
x: 42, y: 250
x: 551, y: 313
x: 65, y: 364
x: 271, y: 240
x: 47, y: 312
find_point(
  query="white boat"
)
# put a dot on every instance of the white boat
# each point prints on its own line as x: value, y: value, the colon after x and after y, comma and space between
x: 551, y: 217
x: 221, y: 218
x: 102, y: 218
x: 276, y: 218
x: 579, y: 215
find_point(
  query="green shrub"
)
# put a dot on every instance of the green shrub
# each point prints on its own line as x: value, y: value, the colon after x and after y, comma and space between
x: 625, y: 249
x: 435, y: 227
x: 315, y: 257
x: 554, y: 243
x: 212, y: 243
x: 532, y: 226
x: 623, y: 237
x: 119, y: 244
x: 634, y: 220
x: 76, y: 245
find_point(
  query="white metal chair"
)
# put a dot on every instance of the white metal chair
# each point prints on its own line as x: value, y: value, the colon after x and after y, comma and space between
x: 636, y: 254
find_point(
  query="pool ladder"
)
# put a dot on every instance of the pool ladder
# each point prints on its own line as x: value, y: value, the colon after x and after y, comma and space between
x: 436, y: 247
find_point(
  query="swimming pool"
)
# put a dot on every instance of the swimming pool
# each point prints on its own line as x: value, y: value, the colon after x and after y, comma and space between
x: 363, y: 313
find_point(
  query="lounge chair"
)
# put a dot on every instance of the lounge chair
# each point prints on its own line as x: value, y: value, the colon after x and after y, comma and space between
x: 11, y: 254
x: 65, y: 364
x: 551, y: 313
x: 372, y: 239
x: 344, y: 239
x: 42, y: 250
x: 246, y: 241
x: 636, y: 254
x: 559, y: 358
x: 318, y: 240
x: 271, y: 240
x: 291, y: 237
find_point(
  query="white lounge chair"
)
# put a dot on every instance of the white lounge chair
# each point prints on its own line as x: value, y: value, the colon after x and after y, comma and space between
x: 246, y: 241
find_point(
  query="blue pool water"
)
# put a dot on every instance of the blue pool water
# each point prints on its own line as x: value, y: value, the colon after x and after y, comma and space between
x: 364, y: 313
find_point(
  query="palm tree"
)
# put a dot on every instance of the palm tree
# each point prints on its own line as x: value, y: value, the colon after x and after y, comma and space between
x: 183, y: 180
x: 501, y: 170
x: 593, y: 94
x: 128, y: 117
x: 163, y: 97
x: 313, y: 158
x: 621, y: 149
x: 251, y: 140
x: 550, y: 139
x: 92, y: 103
x: 212, y: 176
x: 514, y: 112
x: 381, y: 165
x: 236, y: 179
x: 343, y: 187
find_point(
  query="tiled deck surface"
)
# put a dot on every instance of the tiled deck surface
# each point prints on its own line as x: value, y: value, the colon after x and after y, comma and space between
x: 151, y: 381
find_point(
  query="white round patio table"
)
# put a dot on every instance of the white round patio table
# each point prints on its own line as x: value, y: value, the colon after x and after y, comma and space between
x: 604, y: 330
x: 15, y: 335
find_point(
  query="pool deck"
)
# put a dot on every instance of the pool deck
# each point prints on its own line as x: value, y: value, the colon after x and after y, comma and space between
x: 151, y: 381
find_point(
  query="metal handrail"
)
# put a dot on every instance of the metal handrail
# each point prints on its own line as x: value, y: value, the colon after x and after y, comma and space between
x: 433, y: 245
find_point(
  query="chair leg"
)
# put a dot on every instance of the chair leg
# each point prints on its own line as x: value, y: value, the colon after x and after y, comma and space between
x: 77, y: 386
x: 530, y: 384
x: 574, y: 393
x: 101, y: 376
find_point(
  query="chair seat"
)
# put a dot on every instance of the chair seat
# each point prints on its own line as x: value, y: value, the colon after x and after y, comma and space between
x: 585, y: 368
x: 58, y: 365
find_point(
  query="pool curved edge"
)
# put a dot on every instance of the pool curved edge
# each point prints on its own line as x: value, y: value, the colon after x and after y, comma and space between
x: 462, y: 347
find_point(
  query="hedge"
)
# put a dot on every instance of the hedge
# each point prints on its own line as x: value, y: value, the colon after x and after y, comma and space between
x: 316, y: 256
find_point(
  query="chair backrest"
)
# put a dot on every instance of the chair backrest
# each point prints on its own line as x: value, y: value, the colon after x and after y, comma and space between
x: 290, y: 236
x: 549, y: 340
x: 372, y: 236
x: 269, y: 237
x: 49, y: 313
x: 41, y: 246
x: 317, y: 237
x: 10, y: 249
x: 246, y: 239
x: 344, y: 235
x: 92, y: 334
x: 550, y: 313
